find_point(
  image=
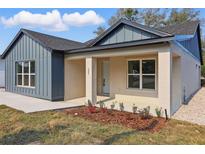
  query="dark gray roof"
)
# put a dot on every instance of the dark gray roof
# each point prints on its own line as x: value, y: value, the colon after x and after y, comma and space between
x: 186, y: 28
x: 122, y: 45
x: 89, y: 42
x: 53, y: 42
x: 48, y: 41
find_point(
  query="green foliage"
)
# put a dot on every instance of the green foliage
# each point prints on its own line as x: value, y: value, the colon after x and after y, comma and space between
x: 158, y: 112
x: 99, y: 30
x: 153, y: 17
x: 134, y: 108
x: 145, y: 113
x: 112, y: 106
x: 55, y: 127
x: 121, y: 105
x: 178, y: 16
x: 102, y: 104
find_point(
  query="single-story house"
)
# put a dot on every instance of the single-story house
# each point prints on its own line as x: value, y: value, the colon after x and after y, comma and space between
x: 2, y: 73
x: 129, y: 61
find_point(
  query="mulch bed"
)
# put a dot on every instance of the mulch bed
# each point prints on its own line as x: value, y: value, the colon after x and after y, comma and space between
x: 127, y: 119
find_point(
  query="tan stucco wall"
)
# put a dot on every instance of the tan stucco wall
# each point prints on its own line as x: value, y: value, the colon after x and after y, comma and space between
x: 176, y: 84
x: 118, y: 77
x: 190, y: 76
x: 74, y: 79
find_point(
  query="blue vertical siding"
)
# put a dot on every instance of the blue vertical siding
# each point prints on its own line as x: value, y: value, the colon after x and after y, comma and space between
x: 192, y: 45
x: 57, y: 76
x: 125, y: 33
x: 28, y: 49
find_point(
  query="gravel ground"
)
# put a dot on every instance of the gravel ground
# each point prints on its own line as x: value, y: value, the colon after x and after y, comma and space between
x: 195, y: 110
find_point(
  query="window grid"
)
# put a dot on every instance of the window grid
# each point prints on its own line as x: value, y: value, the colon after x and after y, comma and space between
x: 141, y: 74
x: 23, y: 74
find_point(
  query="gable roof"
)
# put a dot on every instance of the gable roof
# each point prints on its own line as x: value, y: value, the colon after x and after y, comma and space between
x: 186, y: 28
x: 122, y: 45
x: 47, y: 41
x: 129, y: 23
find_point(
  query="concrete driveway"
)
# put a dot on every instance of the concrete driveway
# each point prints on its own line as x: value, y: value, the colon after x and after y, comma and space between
x: 30, y: 104
x: 194, y: 111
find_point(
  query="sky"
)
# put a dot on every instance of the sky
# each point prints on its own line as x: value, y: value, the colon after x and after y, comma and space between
x: 74, y: 24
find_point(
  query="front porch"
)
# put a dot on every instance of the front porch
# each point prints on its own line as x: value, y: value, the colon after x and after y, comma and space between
x: 107, y: 77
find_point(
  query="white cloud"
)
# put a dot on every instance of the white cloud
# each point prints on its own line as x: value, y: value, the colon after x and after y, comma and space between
x: 52, y: 20
x: 88, y: 18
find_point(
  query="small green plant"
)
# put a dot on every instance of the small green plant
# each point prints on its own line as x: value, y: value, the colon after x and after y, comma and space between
x: 112, y: 106
x: 102, y: 104
x: 134, y: 108
x: 158, y: 111
x: 145, y: 113
x: 121, y: 106
x: 90, y: 103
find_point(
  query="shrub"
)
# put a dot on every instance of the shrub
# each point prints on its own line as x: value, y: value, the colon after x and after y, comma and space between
x: 158, y: 112
x: 134, y: 108
x: 145, y: 113
x: 102, y: 104
x: 112, y: 106
x: 121, y: 106
x: 90, y: 103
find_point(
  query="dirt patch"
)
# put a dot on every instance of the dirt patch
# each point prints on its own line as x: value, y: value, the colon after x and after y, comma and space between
x: 127, y: 119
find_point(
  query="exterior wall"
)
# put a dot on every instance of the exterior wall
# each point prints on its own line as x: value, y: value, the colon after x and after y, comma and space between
x: 27, y: 49
x: 57, y: 76
x: 118, y: 77
x: 2, y: 73
x: 176, y: 84
x: 165, y: 79
x: 74, y: 79
x: 126, y: 33
x: 190, y: 74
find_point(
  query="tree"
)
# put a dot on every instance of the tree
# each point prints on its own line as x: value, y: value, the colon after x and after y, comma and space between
x: 128, y: 13
x: 178, y: 16
x: 154, y: 17
x: 99, y: 30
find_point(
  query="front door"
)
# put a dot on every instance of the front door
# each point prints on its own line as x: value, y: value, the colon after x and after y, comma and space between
x: 106, y: 85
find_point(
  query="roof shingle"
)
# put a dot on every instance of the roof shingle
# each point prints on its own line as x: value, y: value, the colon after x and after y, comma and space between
x: 53, y: 42
x: 186, y: 28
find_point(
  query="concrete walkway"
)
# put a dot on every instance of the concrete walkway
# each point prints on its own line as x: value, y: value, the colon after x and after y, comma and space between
x: 31, y: 104
x: 195, y: 110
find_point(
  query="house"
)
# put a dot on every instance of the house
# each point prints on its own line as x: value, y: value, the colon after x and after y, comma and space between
x: 2, y: 73
x: 129, y: 62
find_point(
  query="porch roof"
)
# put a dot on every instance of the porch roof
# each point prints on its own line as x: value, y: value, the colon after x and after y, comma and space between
x: 122, y: 45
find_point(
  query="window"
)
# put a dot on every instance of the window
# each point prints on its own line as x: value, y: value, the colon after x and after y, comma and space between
x: 134, y: 74
x: 25, y: 73
x: 141, y: 74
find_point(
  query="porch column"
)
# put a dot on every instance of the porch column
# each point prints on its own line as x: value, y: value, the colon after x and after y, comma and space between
x: 91, y: 79
x: 164, y: 79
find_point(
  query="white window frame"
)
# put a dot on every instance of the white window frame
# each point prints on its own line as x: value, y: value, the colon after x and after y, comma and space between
x: 23, y: 74
x: 137, y: 74
x: 141, y: 75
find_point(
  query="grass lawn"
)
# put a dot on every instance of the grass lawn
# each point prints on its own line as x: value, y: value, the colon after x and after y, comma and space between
x: 53, y: 127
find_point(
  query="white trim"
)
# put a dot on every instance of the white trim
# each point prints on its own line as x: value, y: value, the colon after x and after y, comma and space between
x: 140, y: 74
x: 23, y: 74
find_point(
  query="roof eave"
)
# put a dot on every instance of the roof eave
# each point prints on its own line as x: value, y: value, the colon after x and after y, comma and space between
x: 121, y: 45
x: 17, y: 37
